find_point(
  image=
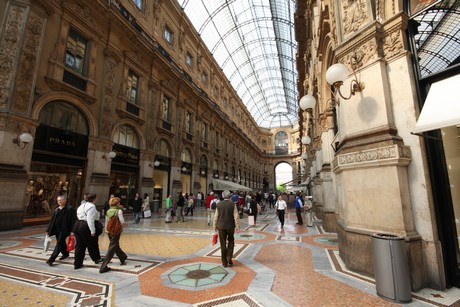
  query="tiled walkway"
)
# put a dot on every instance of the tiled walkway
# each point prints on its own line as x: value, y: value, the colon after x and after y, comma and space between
x: 176, y: 265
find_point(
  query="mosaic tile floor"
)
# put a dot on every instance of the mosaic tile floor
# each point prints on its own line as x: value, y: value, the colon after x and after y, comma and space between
x: 176, y: 265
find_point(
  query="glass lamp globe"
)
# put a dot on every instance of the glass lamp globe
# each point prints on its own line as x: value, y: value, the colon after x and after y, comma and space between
x: 304, y: 155
x: 306, y: 140
x: 307, y: 102
x: 112, y: 154
x: 336, y: 73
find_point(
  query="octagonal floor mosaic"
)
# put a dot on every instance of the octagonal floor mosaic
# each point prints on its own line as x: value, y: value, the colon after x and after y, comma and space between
x: 197, y: 276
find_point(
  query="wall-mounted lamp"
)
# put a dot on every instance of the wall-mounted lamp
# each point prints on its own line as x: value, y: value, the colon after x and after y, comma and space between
x: 203, y: 172
x: 216, y: 175
x: 184, y: 169
x: 23, y: 139
x: 337, y: 74
x: 307, y: 102
x: 226, y: 177
x: 109, y: 156
x: 304, y: 155
x: 306, y: 140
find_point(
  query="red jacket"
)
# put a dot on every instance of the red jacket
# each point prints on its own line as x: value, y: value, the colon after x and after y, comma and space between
x: 208, y: 200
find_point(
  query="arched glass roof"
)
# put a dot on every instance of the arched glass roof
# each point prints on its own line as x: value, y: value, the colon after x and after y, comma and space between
x: 438, y: 38
x: 253, y: 42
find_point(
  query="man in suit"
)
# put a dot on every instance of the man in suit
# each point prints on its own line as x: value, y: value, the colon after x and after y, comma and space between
x: 226, y: 221
x: 61, y: 225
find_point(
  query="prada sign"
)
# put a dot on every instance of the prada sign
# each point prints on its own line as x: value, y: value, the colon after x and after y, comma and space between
x: 60, y: 141
x: 126, y: 155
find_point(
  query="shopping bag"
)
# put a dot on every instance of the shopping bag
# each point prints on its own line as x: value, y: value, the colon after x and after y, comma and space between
x: 47, y: 243
x: 251, y: 220
x: 147, y: 213
x: 71, y: 243
x: 214, y: 238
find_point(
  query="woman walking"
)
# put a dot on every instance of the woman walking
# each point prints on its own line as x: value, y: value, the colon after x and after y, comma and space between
x: 114, y: 245
x: 85, y: 232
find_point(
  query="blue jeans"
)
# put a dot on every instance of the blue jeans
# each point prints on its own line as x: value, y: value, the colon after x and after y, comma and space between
x: 137, y: 217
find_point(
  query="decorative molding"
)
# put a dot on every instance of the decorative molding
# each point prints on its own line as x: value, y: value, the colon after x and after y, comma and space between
x: 9, y: 46
x: 397, y: 155
x: 25, y: 77
x: 354, y: 15
x: 110, y: 73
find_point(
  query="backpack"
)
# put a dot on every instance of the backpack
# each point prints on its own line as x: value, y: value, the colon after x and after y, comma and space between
x: 114, y: 226
x: 214, y: 204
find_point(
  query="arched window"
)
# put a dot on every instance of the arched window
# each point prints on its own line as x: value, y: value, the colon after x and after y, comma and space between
x: 164, y: 149
x: 63, y: 115
x: 203, y: 162
x: 186, y: 156
x: 281, y: 143
x: 126, y: 136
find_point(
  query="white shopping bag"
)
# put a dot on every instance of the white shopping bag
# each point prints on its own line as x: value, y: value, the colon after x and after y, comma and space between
x: 47, y: 243
x: 251, y: 220
x: 147, y: 213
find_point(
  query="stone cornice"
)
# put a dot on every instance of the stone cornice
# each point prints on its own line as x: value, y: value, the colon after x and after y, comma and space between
x: 394, y: 155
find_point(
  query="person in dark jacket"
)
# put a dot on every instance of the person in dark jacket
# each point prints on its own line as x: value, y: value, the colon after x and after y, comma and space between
x: 298, y: 209
x: 226, y: 221
x: 137, y: 205
x: 253, y: 209
x: 61, y: 225
x: 180, y: 208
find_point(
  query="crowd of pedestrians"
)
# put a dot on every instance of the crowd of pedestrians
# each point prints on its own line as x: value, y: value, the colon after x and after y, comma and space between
x: 223, y: 213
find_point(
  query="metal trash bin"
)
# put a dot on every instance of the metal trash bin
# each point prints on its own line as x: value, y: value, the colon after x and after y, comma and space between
x: 391, y: 268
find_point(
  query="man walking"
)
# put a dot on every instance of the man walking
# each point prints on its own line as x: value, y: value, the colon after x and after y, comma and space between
x: 180, y: 208
x: 226, y: 221
x: 207, y: 202
x: 61, y: 225
x: 298, y: 209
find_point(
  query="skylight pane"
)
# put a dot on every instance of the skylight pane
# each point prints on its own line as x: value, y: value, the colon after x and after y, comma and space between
x: 242, y: 31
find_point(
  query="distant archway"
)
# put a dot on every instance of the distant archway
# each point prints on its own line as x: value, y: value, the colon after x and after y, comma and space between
x: 283, y: 174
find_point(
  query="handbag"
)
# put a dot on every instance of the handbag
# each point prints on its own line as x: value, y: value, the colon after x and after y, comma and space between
x: 99, y: 228
x: 71, y: 243
x: 147, y: 213
x: 215, y: 235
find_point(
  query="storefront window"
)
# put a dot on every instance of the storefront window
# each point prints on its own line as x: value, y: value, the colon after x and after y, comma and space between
x: 124, y: 186
x: 58, y: 159
x: 451, y: 141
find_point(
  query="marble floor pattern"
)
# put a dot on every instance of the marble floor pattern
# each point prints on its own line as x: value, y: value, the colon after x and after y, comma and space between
x: 175, y: 264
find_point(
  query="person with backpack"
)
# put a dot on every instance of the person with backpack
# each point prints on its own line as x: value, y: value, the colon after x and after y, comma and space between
x: 213, y: 206
x: 114, y: 229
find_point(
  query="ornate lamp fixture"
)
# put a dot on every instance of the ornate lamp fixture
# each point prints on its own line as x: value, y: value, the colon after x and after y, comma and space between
x: 337, y: 74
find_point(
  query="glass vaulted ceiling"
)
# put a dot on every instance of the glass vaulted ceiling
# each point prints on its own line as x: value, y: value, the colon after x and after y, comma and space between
x: 253, y: 42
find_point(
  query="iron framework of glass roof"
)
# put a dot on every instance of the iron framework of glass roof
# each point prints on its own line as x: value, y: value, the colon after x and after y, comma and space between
x: 438, y: 38
x: 253, y: 42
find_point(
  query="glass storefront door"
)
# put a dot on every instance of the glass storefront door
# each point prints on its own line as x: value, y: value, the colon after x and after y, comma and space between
x: 124, y: 185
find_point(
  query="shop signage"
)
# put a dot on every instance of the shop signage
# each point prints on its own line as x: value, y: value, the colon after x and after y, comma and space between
x: 60, y: 141
x: 126, y: 155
